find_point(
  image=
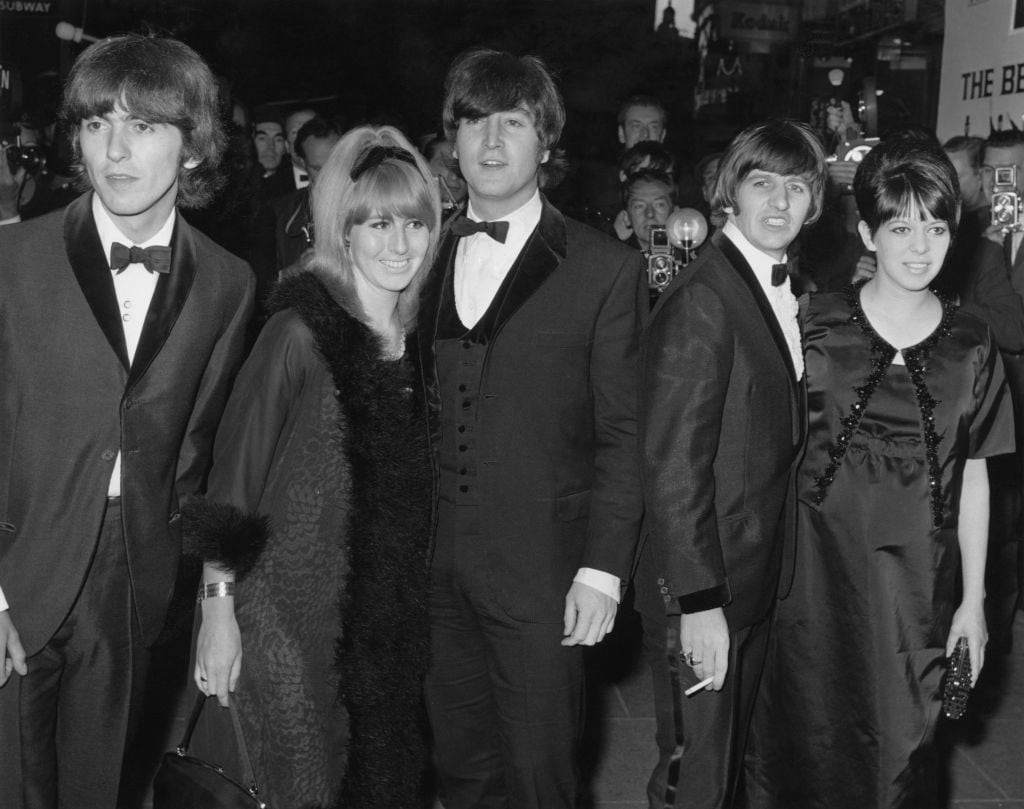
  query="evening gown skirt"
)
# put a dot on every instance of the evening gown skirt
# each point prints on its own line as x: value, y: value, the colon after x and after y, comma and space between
x: 851, y: 697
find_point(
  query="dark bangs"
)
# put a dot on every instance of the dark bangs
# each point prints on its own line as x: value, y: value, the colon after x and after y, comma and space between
x: 384, y: 191
x: 910, y: 195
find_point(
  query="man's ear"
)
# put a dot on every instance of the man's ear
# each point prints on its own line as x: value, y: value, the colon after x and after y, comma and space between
x: 545, y: 156
x: 664, y: 132
x: 622, y: 135
x: 191, y: 163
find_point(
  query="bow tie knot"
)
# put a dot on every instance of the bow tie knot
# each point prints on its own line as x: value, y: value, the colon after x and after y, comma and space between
x: 780, y: 272
x: 464, y: 226
x: 154, y: 259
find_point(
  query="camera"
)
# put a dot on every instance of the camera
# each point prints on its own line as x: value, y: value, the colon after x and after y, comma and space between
x: 1006, y: 202
x: 30, y: 157
x: 661, y: 263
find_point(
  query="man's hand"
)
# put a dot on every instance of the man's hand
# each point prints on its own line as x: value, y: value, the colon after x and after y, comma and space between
x: 10, y: 646
x: 866, y: 267
x: 10, y: 188
x: 589, y: 615
x: 995, y: 234
x: 705, y: 636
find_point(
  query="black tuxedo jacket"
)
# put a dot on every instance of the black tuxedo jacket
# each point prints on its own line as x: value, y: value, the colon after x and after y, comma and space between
x: 721, y: 426
x: 558, y: 463
x: 70, y: 401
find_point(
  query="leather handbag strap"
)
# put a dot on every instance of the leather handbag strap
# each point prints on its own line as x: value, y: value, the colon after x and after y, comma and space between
x: 186, y: 740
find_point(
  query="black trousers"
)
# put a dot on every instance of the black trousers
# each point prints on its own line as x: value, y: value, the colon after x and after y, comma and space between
x: 505, y: 698
x: 701, y: 738
x: 64, y: 726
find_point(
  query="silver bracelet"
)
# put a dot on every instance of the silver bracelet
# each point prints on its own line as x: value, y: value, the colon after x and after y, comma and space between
x: 215, y: 589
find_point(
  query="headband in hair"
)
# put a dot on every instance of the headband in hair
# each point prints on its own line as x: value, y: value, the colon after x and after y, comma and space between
x: 376, y: 155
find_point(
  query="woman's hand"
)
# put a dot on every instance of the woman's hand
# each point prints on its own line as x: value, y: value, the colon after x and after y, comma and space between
x: 969, y: 622
x: 218, y: 649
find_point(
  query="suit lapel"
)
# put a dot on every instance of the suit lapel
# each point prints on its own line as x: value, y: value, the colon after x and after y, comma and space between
x: 540, y: 256
x: 168, y: 299
x: 92, y: 271
x: 735, y: 257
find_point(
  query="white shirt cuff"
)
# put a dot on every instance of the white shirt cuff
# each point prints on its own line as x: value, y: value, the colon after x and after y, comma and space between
x: 3, y: 601
x: 12, y: 220
x: 606, y: 583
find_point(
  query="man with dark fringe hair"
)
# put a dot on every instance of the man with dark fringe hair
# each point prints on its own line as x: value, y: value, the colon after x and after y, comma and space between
x: 121, y: 328
x: 529, y: 329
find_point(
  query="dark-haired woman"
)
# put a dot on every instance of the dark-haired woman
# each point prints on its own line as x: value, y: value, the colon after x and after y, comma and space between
x: 906, y: 399
x: 324, y: 437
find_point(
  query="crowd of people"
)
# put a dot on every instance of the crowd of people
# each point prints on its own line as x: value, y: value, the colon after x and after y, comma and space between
x: 422, y: 431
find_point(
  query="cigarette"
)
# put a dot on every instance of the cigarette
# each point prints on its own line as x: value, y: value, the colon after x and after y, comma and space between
x: 693, y: 689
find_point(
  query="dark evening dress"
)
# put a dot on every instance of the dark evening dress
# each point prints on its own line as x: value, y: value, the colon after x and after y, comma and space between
x: 851, y: 697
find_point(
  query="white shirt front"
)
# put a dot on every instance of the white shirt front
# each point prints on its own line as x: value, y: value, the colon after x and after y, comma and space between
x: 134, y: 287
x: 781, y: 297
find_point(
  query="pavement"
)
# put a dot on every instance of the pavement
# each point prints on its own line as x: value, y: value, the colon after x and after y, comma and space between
x: 984, y: 752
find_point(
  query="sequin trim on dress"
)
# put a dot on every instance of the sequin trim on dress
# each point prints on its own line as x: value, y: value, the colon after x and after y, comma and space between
x: 882, y: 355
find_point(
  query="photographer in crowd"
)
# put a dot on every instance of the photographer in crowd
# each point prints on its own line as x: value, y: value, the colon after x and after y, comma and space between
x: 995, y: 290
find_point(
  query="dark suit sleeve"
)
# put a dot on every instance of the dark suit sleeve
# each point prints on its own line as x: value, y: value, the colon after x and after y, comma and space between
x: 991, y: 296
x: 197, y: 445
x: 616, y: 504
x: 688, y: 357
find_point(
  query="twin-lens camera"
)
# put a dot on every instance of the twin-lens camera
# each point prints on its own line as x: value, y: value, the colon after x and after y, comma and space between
x: 1007, y: 210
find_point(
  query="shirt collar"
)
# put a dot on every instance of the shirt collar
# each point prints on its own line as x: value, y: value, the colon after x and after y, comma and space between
x: 110, y: 233
x: 759, y: 261
x: 523, y: 218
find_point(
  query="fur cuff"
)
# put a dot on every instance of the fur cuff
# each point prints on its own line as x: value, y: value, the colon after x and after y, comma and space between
x: 224, y: 535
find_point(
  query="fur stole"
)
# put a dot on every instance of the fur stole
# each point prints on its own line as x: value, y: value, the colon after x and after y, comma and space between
x: 383, y: 654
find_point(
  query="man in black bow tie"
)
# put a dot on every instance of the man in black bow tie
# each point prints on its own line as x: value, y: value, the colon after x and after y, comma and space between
x: 721, y: 425
x: 529, y: 327
x: 120, y: 330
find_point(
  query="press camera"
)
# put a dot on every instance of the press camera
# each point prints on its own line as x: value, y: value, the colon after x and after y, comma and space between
x: 662, y: 265
x: 28, y: 157
x: 1007, y: 210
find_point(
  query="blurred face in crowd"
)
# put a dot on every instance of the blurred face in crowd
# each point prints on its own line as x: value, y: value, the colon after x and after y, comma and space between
x: 499, y: 155
x: 770, y: 210
x: 292, y: 124
x: 133, y: 167
x: 317, y: 151
x: 970, y: 179
x: 270, y: 144
x: 909, y: 249
x: 707, y: 179
x: 649, y: 203
x: 641, y: 123
x: 999, y: 156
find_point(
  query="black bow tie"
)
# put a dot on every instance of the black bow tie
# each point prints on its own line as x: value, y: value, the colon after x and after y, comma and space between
x: 154, y: 259
x: 464, y: 226
x: 780, y: 272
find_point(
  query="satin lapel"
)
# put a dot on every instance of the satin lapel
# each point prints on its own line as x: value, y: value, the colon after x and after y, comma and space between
x: 541, y: 255
x: 743, y: 270
x: 92, y: 270
x: 430, y: 300
x: 168, y: 298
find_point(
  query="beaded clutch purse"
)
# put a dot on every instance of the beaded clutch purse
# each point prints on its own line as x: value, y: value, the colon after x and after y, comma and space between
x: 956, y: 687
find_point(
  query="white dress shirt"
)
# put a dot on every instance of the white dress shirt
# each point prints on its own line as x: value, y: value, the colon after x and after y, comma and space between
x: 781, y: 297
x: 134, y: 287
x: 481, y: 264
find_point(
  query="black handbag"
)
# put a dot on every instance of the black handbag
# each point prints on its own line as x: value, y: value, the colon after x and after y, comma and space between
x: 187, y: 782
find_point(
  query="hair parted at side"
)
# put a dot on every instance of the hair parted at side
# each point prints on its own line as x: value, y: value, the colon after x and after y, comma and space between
x: 647, y: 174
x: 969, y: 145
x: 780, y: 146
x: 907, y: 176
x: 483, y: 81
x: 395, y: 186
x: 162, y: 81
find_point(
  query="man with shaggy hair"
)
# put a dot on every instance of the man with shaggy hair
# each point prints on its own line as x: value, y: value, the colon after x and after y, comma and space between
x: 120, y: 330
x: 530, y: 327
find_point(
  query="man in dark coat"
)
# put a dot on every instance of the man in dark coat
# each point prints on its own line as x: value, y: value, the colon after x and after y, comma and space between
x: 120, y: 330
x: 530, y: 328
x: 721, y: 424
